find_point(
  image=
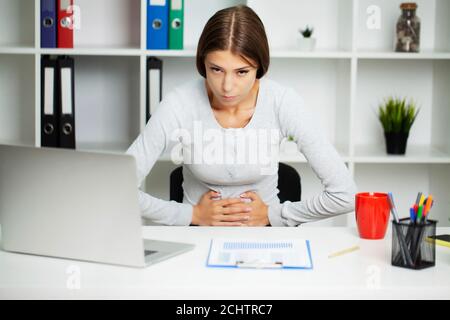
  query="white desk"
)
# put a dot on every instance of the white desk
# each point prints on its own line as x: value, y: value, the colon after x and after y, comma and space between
x: 366, y: 273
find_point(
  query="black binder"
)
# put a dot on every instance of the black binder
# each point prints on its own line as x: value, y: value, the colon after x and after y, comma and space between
x: 66, y: 102
x: 154, y: 85
x: 49, y: 103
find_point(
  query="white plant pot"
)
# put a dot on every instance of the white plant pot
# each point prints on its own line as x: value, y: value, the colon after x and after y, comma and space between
x: 306, y: 44
x: 288, y: 147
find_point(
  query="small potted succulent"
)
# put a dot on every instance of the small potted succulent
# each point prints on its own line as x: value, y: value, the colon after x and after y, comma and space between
x: 305, y: 41
x: 397, y: 117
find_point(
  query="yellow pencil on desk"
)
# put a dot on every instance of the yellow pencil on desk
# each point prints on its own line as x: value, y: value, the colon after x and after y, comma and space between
x: 442, y: 240
x: 342, y: 252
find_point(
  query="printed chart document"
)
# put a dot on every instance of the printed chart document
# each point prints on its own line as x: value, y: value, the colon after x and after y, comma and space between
x: 251, y: 253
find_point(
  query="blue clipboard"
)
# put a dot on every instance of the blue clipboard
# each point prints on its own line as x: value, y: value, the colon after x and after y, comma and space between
x: 260, y: 254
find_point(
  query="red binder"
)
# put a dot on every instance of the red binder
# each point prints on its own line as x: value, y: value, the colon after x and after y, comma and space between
x: 65, y: 24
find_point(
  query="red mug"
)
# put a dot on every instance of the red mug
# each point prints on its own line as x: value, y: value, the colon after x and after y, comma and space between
x: 372, y: 214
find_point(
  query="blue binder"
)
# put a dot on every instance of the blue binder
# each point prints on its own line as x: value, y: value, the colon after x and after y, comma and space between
x: 157, y: 24
x: 48, y: 23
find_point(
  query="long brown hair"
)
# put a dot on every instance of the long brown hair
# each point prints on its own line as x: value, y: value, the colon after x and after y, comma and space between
x: 240, y: 30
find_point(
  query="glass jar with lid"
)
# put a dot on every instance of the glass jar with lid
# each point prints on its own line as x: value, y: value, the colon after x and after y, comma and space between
x: 408, y: 29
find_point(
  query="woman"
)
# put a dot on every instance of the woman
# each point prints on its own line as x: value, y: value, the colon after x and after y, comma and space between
x: 235, y: 109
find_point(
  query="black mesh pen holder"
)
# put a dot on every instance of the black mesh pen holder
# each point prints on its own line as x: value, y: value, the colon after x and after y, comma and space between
x: 410, y: 247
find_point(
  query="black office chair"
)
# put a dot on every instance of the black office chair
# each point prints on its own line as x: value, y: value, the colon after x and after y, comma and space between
x: 289, y: 184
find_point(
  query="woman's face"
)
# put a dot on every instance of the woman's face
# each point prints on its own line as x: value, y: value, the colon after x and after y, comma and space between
x: 229, y: 77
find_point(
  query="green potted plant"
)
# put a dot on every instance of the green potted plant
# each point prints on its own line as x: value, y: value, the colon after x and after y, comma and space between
x: 305, y: 40
x: 397, y: 117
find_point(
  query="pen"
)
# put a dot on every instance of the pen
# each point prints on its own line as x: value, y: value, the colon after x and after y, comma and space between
x: 422, y: 199
x: 420, y: 204
x: 418, y: 197
x: 392, y: 205
x: 412, y: 214
x: 423, y: 211
x: 407, y: 260
x: 419, y: 214
x: 416, y: 208
x: 428, y: 205
x: 416, y: 204
x: 340, y: 253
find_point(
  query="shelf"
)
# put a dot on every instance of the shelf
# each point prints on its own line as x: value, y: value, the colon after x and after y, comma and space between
x: 111, y: 147
x: 317, y: 54
x: 172, y: 53
x: 191, y: 53
x: 369, y: 154
x: 277, y: 53
x: 133, y: 52
x: 292, y: 157
x: 424, y: 55
x: 92, y: 52
x: 166, y: 157
x: 17, y: 50
x: 296, y: 157
x: 414, y: 154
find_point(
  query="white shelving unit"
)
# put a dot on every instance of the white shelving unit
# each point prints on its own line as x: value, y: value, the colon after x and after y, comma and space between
x: 352, y: 69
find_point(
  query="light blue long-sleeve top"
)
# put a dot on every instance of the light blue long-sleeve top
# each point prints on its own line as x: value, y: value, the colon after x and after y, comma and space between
x: 235, y: 160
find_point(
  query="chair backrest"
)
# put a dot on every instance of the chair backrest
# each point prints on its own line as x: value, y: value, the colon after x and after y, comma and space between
x: 289, y: 184
x: 176, y: 188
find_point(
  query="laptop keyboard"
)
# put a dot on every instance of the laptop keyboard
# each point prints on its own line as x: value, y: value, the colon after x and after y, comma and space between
x: 149, y: 252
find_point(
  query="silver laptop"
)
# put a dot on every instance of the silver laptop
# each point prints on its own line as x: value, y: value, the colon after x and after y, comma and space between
x: 76, y: 205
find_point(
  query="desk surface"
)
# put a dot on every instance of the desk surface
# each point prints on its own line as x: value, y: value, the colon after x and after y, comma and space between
x: 366, y: 273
